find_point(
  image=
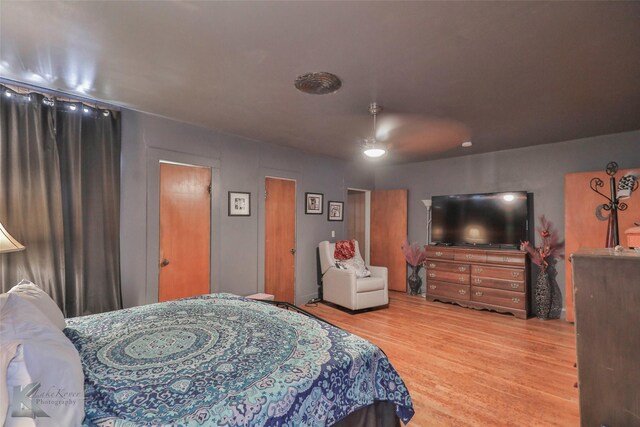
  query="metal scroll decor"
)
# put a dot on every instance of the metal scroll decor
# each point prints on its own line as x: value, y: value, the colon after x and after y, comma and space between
x: 614, y: 204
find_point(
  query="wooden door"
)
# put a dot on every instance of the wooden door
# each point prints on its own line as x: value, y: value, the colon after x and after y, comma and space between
x: 185, y: 231
x: 388, y: 231
x: 280, y: 239
x: 581, y: 227
x: 356, y: 218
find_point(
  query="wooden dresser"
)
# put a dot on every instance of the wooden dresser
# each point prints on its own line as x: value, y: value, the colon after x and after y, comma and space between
x: 607, y: 300
x: 479, y: 278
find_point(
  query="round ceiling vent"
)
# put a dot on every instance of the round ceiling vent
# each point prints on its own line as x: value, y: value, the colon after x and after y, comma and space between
x: 320, y: 83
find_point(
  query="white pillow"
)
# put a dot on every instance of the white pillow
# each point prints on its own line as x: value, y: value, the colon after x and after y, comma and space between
x: 357, y: 265
x: 35, y: 352
x: 39, y: 298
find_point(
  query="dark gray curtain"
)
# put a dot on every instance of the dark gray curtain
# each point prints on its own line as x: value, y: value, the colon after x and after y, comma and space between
x: 60, y: 197
x: 30, y: 195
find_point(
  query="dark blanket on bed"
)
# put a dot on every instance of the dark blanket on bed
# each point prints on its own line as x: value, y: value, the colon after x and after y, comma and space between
x: 227, y: 361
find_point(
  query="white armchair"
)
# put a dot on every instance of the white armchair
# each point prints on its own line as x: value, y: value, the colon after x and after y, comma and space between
x: 343, y: 288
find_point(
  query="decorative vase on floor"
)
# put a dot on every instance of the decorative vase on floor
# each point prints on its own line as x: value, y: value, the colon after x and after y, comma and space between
x: 414, y: 280
x: 543, y: 296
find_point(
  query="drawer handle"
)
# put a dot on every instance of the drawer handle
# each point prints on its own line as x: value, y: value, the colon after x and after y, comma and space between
x: 478, y: 270
x: 461, y: 279
x: 432, y: 274
x: 438, y: 253
x: 432, y: 286
x: 469, y: 256
x: 505, y: 259
x: 479, y: 294
x: 515, y: 273
x: 462, y: 292
x: 477, y: 280
x: 432, y: 265
x: 515, y: 285
x: 462, y: 268
x: 516, y: 300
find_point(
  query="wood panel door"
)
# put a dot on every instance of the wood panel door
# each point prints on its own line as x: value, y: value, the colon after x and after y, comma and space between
x: 185, y: 231
x: 356, y: 218
x: 388, y: 231
x: 581, y: 227
x: 280, y: 239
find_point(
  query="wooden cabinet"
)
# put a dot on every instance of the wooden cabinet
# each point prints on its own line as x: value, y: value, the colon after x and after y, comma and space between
x: 607, y: 297
x: 436, y: 252
x: 479, y: 278
x: 470, y: 256
x: 582, y: 229
x: 449, y: 276
x: 449, y: 290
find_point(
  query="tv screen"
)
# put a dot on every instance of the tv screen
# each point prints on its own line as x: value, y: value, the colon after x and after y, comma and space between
x: 492, y: 219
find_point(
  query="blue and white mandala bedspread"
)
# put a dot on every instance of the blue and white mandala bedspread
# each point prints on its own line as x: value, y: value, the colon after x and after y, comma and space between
x: 223, y: 360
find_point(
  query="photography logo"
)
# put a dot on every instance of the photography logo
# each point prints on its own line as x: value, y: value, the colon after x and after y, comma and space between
x: 25, y: 402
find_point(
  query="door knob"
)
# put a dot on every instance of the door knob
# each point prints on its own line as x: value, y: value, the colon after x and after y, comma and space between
x: 164, y: 262
x: 293, y: 251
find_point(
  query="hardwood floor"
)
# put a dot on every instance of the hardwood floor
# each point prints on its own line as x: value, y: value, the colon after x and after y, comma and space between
x: 472, y: 368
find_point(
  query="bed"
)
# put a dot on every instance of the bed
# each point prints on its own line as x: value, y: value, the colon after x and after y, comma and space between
x: 225, y: 360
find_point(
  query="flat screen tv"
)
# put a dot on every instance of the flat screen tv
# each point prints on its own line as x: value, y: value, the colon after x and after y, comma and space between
x: 490, y: 219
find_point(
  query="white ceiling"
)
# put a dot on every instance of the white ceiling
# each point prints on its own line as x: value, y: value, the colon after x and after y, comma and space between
x: 504, y: 75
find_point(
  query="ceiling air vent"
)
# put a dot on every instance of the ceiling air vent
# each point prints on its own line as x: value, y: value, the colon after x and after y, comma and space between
x: 320, y: 83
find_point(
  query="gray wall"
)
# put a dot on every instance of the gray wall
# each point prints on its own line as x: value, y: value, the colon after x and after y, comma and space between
x: 539, y: 170
x: 238, y: 165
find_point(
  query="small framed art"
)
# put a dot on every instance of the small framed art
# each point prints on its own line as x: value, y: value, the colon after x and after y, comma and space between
x: 313, y: 203
x: 239, y: 203
x: 335, y: 211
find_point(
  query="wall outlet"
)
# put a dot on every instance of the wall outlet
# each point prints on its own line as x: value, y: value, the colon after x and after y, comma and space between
x: 333, y: 233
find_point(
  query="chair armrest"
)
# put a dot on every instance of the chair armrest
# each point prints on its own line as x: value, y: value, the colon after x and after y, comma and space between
x: 335, y: 274
x: 380, y: 272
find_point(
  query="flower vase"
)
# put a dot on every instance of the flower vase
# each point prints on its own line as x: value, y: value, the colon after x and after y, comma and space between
x: 543, y: 296
x: 414, y: 280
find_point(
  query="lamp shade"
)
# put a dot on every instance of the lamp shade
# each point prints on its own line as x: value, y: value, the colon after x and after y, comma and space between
x: 7, y: 242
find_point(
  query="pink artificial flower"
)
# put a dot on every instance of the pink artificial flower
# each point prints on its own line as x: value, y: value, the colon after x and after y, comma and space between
x: 413, y: 253
x: 551, y: 245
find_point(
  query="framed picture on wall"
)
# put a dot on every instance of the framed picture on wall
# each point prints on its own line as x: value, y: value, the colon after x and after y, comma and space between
x: 313, y: 203
x: 239, y: 203
x: 335, y: 210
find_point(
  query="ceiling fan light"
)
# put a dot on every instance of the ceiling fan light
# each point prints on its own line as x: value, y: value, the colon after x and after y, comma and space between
x: 374, y: 152
x: 371, y: 148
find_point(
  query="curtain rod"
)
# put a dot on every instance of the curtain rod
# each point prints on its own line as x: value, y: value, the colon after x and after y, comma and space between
x: 24, y: 88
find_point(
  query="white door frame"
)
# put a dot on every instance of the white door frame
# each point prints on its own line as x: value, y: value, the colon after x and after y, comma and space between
x: 154, y: 157
x: 286, y: 175
x: 367, y: 221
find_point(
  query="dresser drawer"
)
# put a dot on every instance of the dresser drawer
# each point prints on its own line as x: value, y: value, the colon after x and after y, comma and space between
x: 446, y: 266
x: 448, y: 290
x: 515, y: 274
x: 439, y: 252
x: 507, y: 258
x: 470, y: 256
x: 507, y: 285
x: 448, y: 276
x: 498, y: 297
